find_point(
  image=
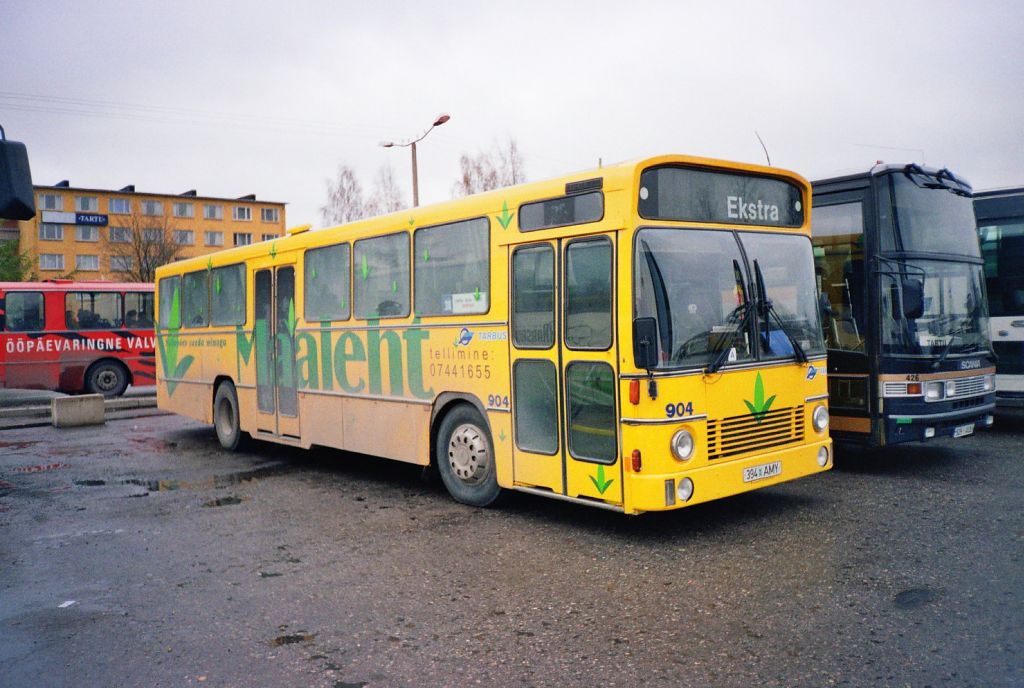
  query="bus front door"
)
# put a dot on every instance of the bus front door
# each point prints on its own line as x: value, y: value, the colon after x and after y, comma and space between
x: 276, y: 388
x: 562, y: 339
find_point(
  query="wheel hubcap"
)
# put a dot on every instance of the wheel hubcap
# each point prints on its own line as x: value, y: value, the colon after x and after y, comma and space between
x: 468, y: 454
x: 106, y: 380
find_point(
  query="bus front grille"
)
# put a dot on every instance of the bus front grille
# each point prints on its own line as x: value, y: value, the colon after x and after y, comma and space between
x: 738, y: 435
x: 966, y: 386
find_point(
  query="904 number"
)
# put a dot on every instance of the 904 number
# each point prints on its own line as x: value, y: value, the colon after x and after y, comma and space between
x: 683, y: 408
x: 497, y: 401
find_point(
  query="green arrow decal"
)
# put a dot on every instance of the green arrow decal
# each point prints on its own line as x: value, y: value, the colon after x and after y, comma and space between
x: 291, y: 317
x: 412, y: 221
x: 273, y: 250
x: 426, y: 254
x: 209, y: 264
x: 501, y: 435
x: 365, y: 269
x: 476, y: 294
x: 761, y: 405
x: 599, y: 482
x: 506, y: 217
x: 394, y: 286
x: 216, y: 284
x: 168, y: 344
x: 313, y: 272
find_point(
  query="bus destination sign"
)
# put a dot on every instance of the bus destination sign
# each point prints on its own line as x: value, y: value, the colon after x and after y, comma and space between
x: 700, y: 195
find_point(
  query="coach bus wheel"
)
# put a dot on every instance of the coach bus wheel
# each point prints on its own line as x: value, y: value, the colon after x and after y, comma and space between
x: 465, y: 457
x: 108, y: 378
x: 225, y: 416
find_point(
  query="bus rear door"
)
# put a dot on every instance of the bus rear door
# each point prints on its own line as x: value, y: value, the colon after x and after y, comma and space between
x: 274, y: 336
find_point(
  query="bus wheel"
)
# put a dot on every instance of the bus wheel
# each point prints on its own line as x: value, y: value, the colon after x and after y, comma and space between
x: 108, y: 378
x: 465, y: 457
x: 225, y: 416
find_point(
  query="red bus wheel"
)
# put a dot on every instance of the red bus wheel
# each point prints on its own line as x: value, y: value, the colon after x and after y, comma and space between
x: 108, y: 378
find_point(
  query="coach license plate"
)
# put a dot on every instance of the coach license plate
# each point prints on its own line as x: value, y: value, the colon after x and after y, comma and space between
x: 963, y: 430
x: 765, y: 470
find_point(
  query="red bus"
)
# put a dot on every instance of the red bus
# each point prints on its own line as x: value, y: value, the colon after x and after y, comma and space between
x: 67, y: 336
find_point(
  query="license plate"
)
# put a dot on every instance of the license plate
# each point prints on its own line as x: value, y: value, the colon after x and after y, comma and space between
x: 765, y: 470
x: 963, y: 430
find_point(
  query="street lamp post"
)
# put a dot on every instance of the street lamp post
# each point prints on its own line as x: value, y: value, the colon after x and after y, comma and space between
x: 441, y: 119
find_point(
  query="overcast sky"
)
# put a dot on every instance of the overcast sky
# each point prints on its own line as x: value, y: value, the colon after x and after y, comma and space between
x: 270, y: 98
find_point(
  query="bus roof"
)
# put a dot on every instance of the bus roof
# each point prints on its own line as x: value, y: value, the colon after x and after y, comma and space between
x: 879, y: 169
x: 72, y: 285
x: 613, y: 177
x: 1005, y: 191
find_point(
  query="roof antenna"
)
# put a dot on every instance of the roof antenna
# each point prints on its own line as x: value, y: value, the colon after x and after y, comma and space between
x: 764, y: 147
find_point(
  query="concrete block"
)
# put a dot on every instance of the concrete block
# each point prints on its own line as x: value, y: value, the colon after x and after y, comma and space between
x: 68, y: 412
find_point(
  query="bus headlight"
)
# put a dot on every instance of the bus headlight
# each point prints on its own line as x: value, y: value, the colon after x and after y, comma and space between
x: 823, y: 456
x: 685, y: 490
x: 934, y: 391
x: 682, y: 445
x: 820, y: 418
x: 990, y: 383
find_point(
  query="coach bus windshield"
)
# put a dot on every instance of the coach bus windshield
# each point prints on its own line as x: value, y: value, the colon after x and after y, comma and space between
x: 952, y: 317
x: 929, y: 213
x: 693, y: 284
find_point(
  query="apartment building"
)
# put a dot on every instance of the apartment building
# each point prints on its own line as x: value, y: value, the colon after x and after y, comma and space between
x: 85, y: 231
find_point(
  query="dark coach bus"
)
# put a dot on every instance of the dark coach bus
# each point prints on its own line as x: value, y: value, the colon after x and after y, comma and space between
x: 900, y: 274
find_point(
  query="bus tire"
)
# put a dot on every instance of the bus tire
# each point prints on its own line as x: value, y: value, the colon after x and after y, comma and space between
x: 225, y: 416
x: 465, y: 457
x: 109, y: 378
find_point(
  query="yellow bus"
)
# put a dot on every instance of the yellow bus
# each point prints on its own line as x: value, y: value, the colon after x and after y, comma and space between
x: 640, y: 337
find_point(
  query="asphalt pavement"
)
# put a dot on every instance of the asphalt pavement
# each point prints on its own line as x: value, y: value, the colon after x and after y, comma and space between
x: 140, y: 554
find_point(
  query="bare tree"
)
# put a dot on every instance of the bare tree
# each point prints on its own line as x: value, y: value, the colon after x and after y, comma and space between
x: 344, y: 199
x: 386, y: 196
x: 140, y: 245
x: 502, y: 166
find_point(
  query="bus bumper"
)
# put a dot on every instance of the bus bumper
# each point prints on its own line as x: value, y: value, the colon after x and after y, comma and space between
x: 659, y: 492
x: 899, y: 429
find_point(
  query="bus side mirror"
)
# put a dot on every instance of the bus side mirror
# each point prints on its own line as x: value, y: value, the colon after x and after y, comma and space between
x: 645, y: 343
x: 17, y: 201
x: 913, y: 299
x: 825, y: 307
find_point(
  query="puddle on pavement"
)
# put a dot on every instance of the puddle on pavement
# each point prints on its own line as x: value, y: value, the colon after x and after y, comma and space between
x: 154, y: 446
x: 293, y: 638
x: 915, y: 597
x: 17, y: 445
x: 40, y: 468
x: 225, y: 501
x: 244, y: 477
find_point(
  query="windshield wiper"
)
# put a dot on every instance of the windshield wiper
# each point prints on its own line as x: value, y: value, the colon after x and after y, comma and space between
x: 955, y: 187
x: 739, y: 316
x: 953, y: 337
x: 768, y: 310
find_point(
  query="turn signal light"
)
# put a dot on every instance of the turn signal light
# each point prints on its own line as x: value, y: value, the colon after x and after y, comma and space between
x: 634, y: 392
x: 913, y: 388
x: 636, y: 461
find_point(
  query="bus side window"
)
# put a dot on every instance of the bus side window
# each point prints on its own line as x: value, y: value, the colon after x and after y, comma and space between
x: 24, y: 311
x: 138, y: 310
x: 838, y: 235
